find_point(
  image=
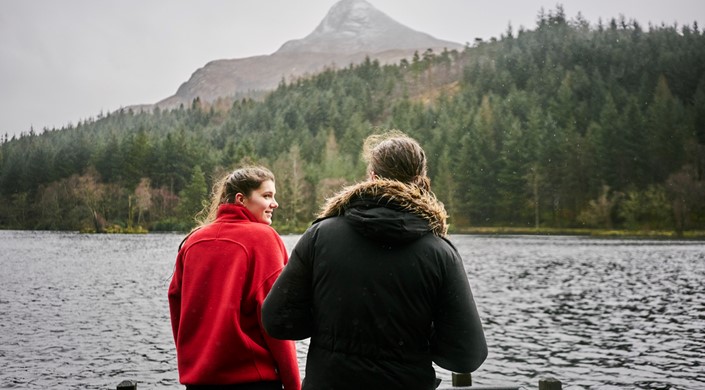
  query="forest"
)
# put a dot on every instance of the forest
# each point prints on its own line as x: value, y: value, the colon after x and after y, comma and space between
x: 566, y: 125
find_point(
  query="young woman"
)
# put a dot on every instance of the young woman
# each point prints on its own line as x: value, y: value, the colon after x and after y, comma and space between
x: 224, y: 270
x: 377, y: 286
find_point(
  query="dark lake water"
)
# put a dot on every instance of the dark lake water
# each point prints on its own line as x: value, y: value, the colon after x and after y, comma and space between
x: 88, y: 311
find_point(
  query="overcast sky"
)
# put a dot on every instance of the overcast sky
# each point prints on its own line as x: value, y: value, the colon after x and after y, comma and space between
x: 62, y: 61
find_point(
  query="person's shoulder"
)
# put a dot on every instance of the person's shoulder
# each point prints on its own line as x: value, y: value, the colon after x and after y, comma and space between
x: 194, y: 236
x: 441, y: 244
x: 449, y: 243
x: 327, y: 224
x: 436, y: 240
x: 324, y: 221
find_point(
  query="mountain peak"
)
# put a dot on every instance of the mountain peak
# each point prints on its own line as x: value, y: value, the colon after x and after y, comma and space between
x: 352, y: 31
x: 348, y: 17
x: 357, y: 26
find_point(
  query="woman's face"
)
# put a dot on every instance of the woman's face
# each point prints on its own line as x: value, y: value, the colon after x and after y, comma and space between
x: 261, y: 202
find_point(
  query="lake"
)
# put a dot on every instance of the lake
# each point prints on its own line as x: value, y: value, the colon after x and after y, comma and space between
x: 84, y: 311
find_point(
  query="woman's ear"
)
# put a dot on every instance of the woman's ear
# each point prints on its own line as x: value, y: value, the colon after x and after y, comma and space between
x: 239, y: 198
x: 371, y: 175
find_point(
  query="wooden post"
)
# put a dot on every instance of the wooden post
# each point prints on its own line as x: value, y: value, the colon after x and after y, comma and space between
x: 549, y: 384
x: 462, y: 379
x: 127, y: 385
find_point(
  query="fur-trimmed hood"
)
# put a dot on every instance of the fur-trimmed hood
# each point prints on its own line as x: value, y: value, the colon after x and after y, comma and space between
x: 408, y: 202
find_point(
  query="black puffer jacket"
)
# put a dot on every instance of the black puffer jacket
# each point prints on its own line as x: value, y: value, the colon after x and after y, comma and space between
x: 380, y: 292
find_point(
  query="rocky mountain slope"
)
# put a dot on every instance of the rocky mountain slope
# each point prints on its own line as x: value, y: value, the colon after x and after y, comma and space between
x: 351, y: 31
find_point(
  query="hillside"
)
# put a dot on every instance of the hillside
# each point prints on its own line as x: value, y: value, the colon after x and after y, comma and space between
x: 563, y: 126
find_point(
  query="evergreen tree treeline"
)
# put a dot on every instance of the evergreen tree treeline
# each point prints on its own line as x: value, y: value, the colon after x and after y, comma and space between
x: 566, y: 125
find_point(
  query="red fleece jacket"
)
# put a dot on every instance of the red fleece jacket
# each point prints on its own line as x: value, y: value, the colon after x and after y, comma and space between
x: 223, y: 273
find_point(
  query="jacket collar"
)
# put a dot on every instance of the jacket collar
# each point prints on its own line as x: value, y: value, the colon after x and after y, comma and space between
x: 392, y: 194
x: 234, y: 212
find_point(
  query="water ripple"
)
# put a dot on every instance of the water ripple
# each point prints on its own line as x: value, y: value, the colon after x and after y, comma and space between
x: 88, y: 311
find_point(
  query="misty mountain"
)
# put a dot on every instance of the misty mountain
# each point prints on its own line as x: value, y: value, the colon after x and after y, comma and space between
x: 351, y: 31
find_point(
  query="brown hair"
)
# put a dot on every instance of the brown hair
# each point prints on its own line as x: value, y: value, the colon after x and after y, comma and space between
x: 396, y: 156
x: 242, y: 180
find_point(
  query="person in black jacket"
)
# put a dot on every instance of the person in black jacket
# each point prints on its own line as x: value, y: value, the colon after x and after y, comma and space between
x: 376, y: 284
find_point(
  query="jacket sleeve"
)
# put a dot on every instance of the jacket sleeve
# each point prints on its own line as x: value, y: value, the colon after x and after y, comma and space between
x: 288, y: 310
x: 458, y: 341
x: 174, y: 295
x: 283, y: 351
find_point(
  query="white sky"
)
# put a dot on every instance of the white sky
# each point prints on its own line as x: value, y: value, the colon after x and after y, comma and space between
x: 62, y: 61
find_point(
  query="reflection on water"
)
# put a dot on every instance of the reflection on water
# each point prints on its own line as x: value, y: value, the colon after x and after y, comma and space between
x: 85, y: 311
x: 593, y: 313
x: 88, y: 311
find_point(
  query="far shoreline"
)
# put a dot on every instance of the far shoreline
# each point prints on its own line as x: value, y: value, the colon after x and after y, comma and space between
x: 594, y: 233
x: 694, y: 235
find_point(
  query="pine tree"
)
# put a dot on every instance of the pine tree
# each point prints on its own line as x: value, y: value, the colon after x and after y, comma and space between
x: 193, y: 196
